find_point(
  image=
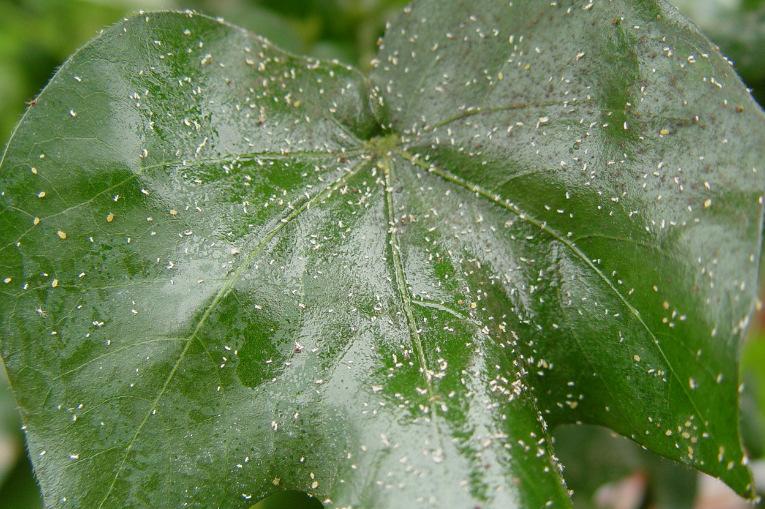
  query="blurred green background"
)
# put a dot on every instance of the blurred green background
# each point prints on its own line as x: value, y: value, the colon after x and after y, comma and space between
x: 604, y: 470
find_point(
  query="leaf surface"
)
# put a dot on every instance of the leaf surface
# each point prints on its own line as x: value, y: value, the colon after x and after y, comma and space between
x: 230, y: 270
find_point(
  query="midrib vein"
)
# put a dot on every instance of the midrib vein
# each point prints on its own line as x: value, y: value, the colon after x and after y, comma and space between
x: 446, y: 309
x: 521, y: 214
x: 228, y: 284
x: 480, y: 110
x: 399, y: 279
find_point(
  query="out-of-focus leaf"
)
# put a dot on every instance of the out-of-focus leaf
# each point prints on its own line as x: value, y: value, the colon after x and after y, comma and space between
x: 353, y: 25
x: 259, y: 20
x: 753, y: 397
x: 18, y: 489
x: 288, y: 500
x: 594, y: 456
x: 738, y: 27
x: 10, y: 438
x: 334, y: 51
x: 35, y: 37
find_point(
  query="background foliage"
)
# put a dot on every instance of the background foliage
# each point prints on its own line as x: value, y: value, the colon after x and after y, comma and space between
x: 37, y: 35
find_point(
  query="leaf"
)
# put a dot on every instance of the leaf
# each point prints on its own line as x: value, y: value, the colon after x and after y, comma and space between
x: 35, y: 39
x: 595, y: 457
x: 638, y: 280
x: 753, y: 396
x: 256, y: 272
x: 17, y: 483
x: 10, y: 440
x: 739, y: 29
x: 288, y: 500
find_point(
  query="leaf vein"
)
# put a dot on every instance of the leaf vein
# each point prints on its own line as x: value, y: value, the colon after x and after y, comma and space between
x: 229, y: 283
x: 521, y: 214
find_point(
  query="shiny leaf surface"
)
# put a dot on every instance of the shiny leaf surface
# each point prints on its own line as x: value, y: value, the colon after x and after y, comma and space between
x: 230, y: 271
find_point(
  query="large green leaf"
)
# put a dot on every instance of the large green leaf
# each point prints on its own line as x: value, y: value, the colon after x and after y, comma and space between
x: 231, y: 271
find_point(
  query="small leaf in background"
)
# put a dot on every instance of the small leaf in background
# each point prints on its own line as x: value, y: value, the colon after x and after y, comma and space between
x: 288, y: 500
x: 18, y: 489
x: 753, y: 398
x: 738, y: 27
x: 35, y: 37
x: 595, y: 457
x: 11, y: 447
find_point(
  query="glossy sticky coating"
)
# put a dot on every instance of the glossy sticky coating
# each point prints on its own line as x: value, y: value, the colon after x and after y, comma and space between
x: 229, y: 271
